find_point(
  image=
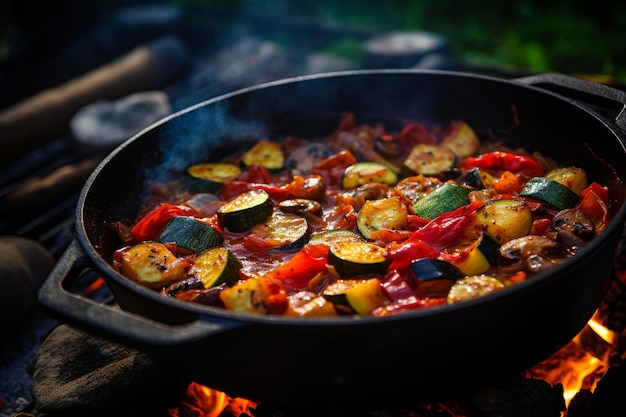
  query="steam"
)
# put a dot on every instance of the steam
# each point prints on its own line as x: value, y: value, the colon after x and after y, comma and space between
x: 197, y: 136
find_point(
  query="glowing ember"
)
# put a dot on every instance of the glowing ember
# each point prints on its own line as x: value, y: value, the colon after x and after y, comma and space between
x: 202, y: 401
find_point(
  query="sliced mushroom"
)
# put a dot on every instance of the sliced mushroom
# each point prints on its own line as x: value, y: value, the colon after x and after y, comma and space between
x: 575, y: 222
x: 370, y: 191
x: 300, y: 205
x: 522, y: 248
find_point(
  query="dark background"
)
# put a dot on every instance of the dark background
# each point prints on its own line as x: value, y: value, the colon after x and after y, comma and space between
x: 39, y: 39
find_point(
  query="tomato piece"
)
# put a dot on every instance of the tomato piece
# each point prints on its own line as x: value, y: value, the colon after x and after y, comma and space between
x: 153, y: 221
x: 332, y: 168
x: 593, y: 201
x: 296, y: 273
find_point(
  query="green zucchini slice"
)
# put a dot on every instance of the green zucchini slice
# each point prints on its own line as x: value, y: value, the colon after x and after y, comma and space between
x: 430, y: 159
x: 265, y: 153
x: 284, y: 231
x: 189, y: 234
x: 216, y: 266
x: 442, y: 200
x: 246, y: 210
x: 385, y: 213
x: 355, y: 296
x: 363, y: 173
x: 551, y: 192
x: 330, y: 237
x: 353, y: 259
x: 208, y: 178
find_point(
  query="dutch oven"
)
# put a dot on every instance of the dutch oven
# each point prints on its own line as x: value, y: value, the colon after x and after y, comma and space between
x: 354, y: 361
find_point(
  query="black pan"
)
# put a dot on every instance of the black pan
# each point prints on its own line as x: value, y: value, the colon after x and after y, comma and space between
x: 371, y: 362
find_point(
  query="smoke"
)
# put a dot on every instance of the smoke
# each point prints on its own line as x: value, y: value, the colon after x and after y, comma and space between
x: 201, y: 135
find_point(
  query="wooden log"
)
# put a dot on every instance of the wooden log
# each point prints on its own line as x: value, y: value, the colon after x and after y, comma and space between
x: 30, y: 123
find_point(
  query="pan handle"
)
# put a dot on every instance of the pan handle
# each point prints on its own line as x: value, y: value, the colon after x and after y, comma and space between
x: 113, y: 322
x: 607, y: 101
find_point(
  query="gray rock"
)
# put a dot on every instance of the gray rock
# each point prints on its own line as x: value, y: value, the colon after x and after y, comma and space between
x: 103, y: 125
x: 76, y: 373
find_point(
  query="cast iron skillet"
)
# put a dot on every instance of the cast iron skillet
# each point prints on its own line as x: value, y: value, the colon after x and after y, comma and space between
x: 352, y: 362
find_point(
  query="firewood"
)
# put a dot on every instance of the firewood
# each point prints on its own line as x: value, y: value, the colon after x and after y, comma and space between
x: 30, y: 123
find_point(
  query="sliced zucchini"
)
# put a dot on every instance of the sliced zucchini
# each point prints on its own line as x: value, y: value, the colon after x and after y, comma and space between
x: 443, y: 199
x: 246, y: 210
x: 430, y: 159
x: 216, y: 266
x: 285, y: 231
x: 572, y: 177
x: 433, y: 277
x: 473, y: 287
x: 209, y: 177
x: 353, y: 259
x: 153, y: 265
x: 504, y: 219
x: 189, y: 234
x: 551, y: 192
x: 462, y: 140
x: 330, y: 237
x: 355, y: 296
x: 365, y: 172
x: 385, y: 213
x: 265, y: 153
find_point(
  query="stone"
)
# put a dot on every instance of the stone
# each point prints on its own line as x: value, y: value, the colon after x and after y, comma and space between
x: 76, y: 373
x: 24, y: 265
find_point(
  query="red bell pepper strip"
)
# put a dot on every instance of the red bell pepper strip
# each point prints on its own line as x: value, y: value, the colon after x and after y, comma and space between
x: 430, y: 240
x: 593, y: 202
x: 151, y: 223
x: 505, y: 161
x: 296, y: 273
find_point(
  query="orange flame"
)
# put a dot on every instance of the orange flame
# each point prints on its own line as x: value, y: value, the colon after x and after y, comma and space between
x: 202, y: 401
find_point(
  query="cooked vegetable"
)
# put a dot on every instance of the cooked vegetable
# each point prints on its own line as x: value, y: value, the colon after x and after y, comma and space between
x: 574, y: 221
x: 462, y: 140
x: 504, y: 219
x: 473, y: 287
x: 386, y: 213
x: 309, y: 304
x: 365, y: 172
x: 189, y: 235
x: 355, y: 296
x: 346, y: 226
x: 353, y: 259
x: 434, y: 277
x: 300, y: 206
x: 216, y: 266
x: 330, y: 237
x: 430, y: 159
x: 245, y: 211
x: 551, y: 192
x: 573, y: 178
x: 285, y: 231
x: 259, y: 295
x: 477, y: 178
x: 153, y: 265
x: 445, y: 198
x: 210, y: 177
x: 267, y: 154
